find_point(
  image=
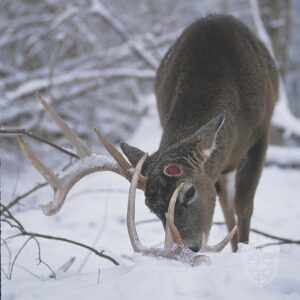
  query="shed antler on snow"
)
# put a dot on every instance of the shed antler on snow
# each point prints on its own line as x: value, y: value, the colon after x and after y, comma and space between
x: 88, y: 163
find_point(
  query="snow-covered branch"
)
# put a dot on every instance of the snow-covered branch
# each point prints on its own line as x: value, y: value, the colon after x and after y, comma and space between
x: 283, y: 118
x: 99, y: 8
x: 32, y: 86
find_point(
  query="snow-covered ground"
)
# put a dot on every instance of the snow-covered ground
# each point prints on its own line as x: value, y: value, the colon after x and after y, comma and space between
x: 95, y: 214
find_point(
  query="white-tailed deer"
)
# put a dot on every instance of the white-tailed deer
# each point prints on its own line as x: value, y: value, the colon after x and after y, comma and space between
x: 215, y: 90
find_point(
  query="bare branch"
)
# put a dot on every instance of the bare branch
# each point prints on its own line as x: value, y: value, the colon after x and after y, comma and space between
x: 29, y: 192
x: 119, y: 28
x: 282, y: 240
x: 20, y: 131
x: 40, y: 261
x: 24, y: 232
x: 31, y: 86
x: 16, y: 257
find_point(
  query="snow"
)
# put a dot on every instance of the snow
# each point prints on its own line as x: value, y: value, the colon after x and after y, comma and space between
x: 39, y: 84
x: 279, y: 155
x: 95, y: 214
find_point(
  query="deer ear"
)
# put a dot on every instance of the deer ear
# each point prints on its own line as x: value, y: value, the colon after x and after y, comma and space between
x: 132, y: 153
x: 207, y: 135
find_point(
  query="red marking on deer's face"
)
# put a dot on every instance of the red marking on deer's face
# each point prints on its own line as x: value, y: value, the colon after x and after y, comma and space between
x: 173, y: 170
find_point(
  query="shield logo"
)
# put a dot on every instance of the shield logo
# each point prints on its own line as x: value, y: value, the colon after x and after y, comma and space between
x: 260, y: 266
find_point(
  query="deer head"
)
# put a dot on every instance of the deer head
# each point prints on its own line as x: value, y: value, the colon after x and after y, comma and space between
x: 190, y: 162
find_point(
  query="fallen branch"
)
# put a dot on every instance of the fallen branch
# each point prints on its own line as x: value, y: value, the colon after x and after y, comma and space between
x: 20, y: 197
x: 20, y: 131
x: 76, y: 76
x: 17, y: 224
x: 282, y: 240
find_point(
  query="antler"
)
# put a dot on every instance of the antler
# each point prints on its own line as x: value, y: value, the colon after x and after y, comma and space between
x: 174, y: 247
x: 88, y: 163
x: 220, y: 246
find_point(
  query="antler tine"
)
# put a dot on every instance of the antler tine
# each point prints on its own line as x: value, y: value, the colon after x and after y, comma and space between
x: 88, y: 163
x: 134, y: 239
x: 75, y: 140
x: 169, y: 241
x: 50, y: 177
x: 172, y: 233
x: 114, y: 152
x: 221, y: 245
x: 122, y: 162
x: 178, y: 251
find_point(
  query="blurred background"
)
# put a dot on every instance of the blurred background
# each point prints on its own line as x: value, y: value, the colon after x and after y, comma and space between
x: 95, y: 61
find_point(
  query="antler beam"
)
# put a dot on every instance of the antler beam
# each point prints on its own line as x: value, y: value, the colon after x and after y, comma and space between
x: 88, y: 163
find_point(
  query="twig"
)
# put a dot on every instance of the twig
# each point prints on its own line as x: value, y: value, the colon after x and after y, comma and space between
x: 16, y: 257
x: 274, y: 237
x: 40, y: 261
x: 35, y: 188
x: 282, y: 240
x: 66, y: 266
x: 119, y: 28
x: 50, y: 237
x: 8, y: 250
x: 9, y: 258
x: 10, y: 216
x: 23, y: 232
x: 271, y: 244
x: 18, y: 131
x: 28, y: 271
x: 20, y: 197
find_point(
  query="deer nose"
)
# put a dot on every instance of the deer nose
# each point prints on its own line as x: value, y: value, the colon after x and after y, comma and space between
x: 194, y: 248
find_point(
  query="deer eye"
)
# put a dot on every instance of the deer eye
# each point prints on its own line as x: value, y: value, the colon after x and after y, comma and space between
x: 172, y: 170
x: 190, y: 193
x: 188, y: 196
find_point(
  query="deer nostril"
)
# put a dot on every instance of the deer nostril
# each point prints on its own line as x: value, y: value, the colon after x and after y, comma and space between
x: 194, y: 248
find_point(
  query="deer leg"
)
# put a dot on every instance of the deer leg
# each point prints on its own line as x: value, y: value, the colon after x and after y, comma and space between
x: 227, y: 207
x: 247, y: 179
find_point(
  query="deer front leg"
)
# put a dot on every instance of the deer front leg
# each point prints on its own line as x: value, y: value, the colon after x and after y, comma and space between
x: 247, y: 179
x: 226, y: 201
